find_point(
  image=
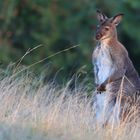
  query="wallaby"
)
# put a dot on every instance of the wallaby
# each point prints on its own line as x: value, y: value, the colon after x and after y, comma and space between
x: 113, y: 69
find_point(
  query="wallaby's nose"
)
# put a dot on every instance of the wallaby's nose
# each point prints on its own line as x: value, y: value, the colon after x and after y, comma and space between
x: 98, y: 36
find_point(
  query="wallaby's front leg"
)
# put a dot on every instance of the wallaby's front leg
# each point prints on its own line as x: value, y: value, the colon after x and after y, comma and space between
x: 114, y: 76
x: 101, y: 87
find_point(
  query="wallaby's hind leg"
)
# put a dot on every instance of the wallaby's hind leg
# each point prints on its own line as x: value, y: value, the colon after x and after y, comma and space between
x: 106, y: 110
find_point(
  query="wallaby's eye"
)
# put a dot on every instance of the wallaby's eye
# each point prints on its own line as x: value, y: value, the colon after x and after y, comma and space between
x: 106, y: 28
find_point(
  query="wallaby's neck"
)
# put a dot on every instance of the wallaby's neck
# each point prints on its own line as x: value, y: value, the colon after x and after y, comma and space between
x: 110, y: 41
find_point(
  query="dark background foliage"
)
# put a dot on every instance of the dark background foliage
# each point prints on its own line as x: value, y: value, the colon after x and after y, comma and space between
x: 60, y: 24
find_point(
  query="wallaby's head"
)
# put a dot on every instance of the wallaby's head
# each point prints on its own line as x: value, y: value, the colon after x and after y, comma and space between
x: 106, y: 28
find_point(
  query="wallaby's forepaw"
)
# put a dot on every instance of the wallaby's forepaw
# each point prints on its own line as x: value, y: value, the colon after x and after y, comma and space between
x: 101, y: 87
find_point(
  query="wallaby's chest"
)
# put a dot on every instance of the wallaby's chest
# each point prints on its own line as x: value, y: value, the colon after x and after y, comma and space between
x: 103, y: 63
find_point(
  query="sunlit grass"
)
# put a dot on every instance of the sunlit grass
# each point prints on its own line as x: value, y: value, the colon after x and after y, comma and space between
x: 30, y: 109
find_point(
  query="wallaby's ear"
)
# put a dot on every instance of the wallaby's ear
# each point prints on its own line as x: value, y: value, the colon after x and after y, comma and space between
x: 100, y: 16
x: 117, y: 19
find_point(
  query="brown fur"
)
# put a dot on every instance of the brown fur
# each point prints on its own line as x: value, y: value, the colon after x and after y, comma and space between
x: 121, y: 62
x: 123, y: 68
x: 114, y: 72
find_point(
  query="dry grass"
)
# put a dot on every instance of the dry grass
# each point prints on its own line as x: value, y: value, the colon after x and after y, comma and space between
x: 30, y: 110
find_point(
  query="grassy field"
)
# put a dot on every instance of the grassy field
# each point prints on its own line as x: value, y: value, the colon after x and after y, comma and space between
x: 31, y: 110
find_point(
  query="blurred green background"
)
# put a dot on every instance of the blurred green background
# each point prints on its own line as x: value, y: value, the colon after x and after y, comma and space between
x: 60, y: 24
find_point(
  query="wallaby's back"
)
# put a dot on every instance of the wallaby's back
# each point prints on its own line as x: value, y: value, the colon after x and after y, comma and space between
x: 125, y: 77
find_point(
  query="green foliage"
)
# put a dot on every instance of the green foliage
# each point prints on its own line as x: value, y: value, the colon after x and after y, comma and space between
x: 60, y: 24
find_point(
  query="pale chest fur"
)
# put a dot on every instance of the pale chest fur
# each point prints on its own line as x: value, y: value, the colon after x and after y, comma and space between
x: 103, y: 64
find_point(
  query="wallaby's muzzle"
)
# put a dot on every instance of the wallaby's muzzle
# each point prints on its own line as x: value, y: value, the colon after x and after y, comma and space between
x: 98, y: 36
